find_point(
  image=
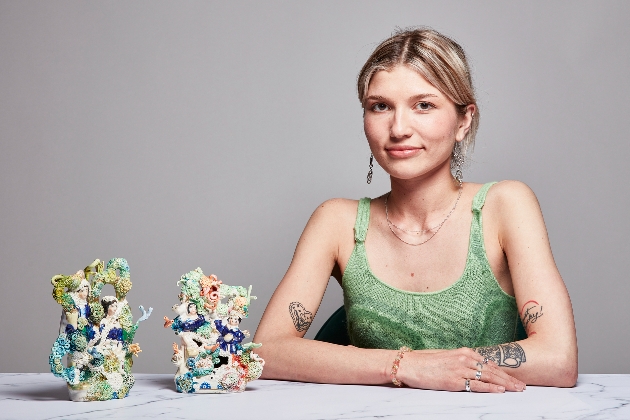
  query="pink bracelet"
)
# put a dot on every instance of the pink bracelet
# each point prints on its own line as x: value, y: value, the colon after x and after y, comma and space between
x: 396, y: 365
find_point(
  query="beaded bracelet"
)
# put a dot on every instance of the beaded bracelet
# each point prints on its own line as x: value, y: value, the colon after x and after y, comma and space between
x: 396, y: 365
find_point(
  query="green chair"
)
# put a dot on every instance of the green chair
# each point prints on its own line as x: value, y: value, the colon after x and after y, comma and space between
x: 335, y: 329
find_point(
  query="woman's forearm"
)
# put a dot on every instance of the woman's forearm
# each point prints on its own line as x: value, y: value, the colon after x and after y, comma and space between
x: 299, y: 359
x: 535, y: 361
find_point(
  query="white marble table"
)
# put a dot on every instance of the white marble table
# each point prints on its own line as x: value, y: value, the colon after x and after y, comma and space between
x: 42, y: 396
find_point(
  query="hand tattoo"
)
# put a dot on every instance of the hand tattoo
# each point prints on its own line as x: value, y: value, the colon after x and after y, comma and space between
x: 508, y: 354
x: 301, y: 317
x: 530, y: 312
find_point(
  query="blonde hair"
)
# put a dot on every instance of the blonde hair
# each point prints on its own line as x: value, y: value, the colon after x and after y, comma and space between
x: 437, y: 58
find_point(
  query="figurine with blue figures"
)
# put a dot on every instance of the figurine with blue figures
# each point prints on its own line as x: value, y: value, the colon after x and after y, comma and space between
x: 96, y: 333
x: 211, y: 356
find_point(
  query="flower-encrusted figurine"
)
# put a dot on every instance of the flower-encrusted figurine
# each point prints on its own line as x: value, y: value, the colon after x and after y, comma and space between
x: 212, y: 357
x: 95, y: 333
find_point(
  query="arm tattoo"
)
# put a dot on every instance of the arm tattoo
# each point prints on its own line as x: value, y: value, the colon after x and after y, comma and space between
x: 508, y: 354
x: 530, y: 312
x: 301, y: 317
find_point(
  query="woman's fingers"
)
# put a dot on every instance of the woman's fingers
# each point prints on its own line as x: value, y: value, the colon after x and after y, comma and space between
x: 494, y: 375
x: 478, y: 386
x: 497, y: 377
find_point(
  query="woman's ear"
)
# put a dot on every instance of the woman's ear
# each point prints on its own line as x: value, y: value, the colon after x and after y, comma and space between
x: 465, y: 122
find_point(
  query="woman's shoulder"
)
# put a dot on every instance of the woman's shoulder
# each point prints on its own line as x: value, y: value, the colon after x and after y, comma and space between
x: 339, y: 204
x: 511, y: 203
x: 332, y: 222
x: 510, y: 193
x: 337, y: 210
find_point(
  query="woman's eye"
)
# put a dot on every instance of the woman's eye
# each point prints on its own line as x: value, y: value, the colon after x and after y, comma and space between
x: 379, y: 107
x: 424, y: 106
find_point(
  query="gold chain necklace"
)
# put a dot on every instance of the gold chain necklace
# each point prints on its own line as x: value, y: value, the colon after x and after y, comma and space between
x: 419, y: 232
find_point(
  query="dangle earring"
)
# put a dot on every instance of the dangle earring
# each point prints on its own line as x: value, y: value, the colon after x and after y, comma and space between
x: 457, y: 161
x: 370, y: 172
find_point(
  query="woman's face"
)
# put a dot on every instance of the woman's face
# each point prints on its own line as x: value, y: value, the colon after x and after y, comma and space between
x: 410, y: 125
x: 83, y: 292
x: 111, y: 310
x: 192, y: 309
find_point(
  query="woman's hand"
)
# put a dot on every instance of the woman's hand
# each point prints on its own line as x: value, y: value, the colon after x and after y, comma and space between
x: 448, y: 370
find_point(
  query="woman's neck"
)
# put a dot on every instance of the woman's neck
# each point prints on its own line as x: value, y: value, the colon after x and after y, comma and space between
x: 420, y: 204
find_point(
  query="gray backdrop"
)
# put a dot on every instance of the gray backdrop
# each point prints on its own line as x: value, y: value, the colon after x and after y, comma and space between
x: 186, y: 134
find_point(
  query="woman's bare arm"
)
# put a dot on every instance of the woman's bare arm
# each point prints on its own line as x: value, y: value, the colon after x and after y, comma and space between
x: 296, y: 300
x: 549, y: 355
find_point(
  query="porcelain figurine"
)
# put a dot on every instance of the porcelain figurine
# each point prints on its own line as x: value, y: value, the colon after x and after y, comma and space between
x: 212, y: 357
x: 96, y: 334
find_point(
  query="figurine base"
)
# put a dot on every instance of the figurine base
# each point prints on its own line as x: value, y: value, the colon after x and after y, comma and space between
x: 85, y: 393
x: 209, y: 384
x: 78, y: 394
x: 216, y: 391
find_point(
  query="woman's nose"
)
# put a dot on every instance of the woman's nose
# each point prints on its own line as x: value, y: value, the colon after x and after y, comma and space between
x: 400, y: 127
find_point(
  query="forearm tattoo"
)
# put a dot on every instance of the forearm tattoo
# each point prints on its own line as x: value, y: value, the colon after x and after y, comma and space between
x: 530, y: 312
x: 301, y: 317
x: 508, y: 354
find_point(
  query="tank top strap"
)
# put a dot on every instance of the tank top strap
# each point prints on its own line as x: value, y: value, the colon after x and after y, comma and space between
x: 477, y: 247
x: 363, y: 219
x: 480, y: 198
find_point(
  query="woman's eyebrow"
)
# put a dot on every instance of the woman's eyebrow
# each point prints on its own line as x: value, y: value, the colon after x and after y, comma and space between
x: 415, y: 97
x: 424, y: 95
x: 374, y: 98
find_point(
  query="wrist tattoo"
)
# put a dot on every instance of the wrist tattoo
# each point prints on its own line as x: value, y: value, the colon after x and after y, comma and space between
x: 508, y: 354
x: 301, y: 317
x: 530, y: 312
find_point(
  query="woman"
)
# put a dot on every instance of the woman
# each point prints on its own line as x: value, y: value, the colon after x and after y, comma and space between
x: 111, y: 333
x: 230, y: 335
x: 81, y: 311
x: 190, y: 322
x: 186, y: 326
x: 400, y: 257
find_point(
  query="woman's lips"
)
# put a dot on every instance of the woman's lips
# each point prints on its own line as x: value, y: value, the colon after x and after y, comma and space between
x: 403, y: 152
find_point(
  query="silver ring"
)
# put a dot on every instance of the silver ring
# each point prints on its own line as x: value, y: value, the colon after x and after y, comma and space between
x: 478, y: 375
x: 467, y: 383
x: 485, y: 360
x: 480, y: 365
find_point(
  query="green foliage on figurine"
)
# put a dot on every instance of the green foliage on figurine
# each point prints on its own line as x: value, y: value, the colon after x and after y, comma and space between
x: 212, y: 357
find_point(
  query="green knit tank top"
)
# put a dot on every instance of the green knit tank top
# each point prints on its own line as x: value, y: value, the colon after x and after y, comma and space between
x: 472, y: 312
